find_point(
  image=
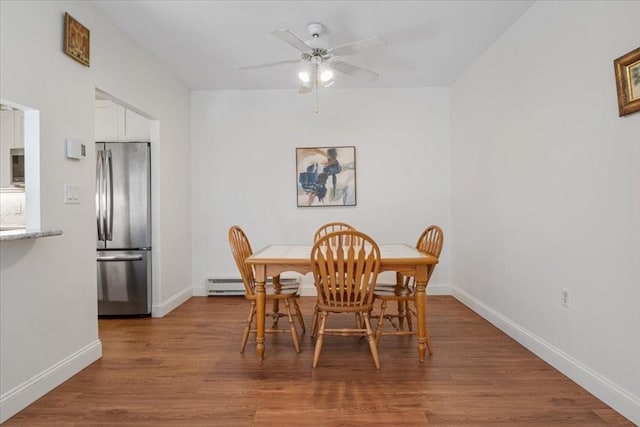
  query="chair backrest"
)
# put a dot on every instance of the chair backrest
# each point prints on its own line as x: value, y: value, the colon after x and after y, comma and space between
x: 345, y: 266
x: 430, y: 242
x: 331, y: 227
x: 241, y: 249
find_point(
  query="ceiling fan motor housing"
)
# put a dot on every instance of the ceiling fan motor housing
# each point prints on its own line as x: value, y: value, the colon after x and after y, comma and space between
x: 317, y: 54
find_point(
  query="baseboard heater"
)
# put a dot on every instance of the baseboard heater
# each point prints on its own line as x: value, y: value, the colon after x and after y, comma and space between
x: 221, y: 286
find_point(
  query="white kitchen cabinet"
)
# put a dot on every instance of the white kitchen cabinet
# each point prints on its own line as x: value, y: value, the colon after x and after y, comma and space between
x: 106, y: 121
x: 135, y: 127
x: 114, y: 122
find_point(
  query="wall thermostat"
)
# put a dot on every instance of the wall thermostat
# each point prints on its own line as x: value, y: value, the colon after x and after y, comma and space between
x: 75, y: 149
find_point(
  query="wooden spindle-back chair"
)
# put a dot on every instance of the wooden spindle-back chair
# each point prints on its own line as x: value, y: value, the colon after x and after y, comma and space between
x: 241, y: 249
x: 345, y: 266
x: 403, y: 292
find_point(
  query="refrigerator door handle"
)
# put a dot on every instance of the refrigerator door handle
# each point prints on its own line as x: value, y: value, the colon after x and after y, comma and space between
x: 120, y: 258
x: 109, y: 198
x: 100, y: 195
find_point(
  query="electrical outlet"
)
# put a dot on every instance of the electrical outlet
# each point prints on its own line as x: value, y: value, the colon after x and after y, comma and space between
x: 564, y: 297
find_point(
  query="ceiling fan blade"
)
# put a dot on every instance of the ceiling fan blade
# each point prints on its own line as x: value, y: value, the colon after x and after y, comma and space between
x: 355, y: 71
x: 289, y: 38
x: 357, y: 47
x: 270, y: 64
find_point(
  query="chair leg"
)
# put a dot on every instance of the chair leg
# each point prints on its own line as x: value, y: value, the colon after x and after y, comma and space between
x: 401, y: 314
x: 383, y: 306
x: 409, y: 313
x: 372, y: 342
x: 359, y: 322
x: 276, y: 313
x: 314, y: 321
x: 299, y: 315
x: 247, y: 328
x: 428, y: 340
x: 316, y: 353
x: 292, y: 326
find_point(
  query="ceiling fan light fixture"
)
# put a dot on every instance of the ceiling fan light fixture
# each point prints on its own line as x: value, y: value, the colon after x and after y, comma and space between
x: 326, y: 75
x: 304, y: 76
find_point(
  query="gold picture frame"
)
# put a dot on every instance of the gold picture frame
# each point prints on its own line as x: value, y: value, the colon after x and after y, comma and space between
x: 77, y: 40
x: 627, y: 69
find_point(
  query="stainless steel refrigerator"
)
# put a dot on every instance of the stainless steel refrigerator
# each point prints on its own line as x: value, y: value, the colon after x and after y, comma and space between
x: 123, y: 216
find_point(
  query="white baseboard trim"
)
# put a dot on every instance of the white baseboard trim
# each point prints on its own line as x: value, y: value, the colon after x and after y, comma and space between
x: 28, y: 392
x: 199, y: 291
x: 166, y: 307
x: 439, y: 289
x: 610, y: 393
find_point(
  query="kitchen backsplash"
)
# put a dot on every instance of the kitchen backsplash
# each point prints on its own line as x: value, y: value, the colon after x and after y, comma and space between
x: 11, y: 208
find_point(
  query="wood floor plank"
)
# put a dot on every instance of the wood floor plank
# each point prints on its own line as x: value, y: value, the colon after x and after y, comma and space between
x: 186, y: 370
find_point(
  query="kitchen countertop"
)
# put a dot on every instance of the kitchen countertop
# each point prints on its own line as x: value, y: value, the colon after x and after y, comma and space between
x: 22, y: 234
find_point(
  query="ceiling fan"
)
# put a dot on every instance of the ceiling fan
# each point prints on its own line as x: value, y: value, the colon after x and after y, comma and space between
x: 319, y: 61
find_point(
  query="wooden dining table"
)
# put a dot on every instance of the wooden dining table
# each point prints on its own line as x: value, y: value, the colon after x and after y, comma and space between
x: 276, y: 259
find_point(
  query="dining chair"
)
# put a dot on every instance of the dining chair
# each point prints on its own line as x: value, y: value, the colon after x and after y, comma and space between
x: 327, y: 228
x: 345, y: 266
x: 241, y: 249
x: 404, y: 291
x: 331, y: 227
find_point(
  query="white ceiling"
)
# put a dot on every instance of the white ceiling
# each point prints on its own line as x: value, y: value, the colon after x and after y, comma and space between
x: 428, y: 43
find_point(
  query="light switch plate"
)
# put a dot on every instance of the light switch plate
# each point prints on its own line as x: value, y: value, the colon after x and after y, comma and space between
x: 71, y: 194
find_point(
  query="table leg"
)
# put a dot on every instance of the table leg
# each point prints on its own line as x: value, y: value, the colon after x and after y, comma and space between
x: 421, y: 313
x: 260, y: 310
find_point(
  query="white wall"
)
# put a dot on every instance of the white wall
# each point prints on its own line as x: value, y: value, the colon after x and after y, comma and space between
x: 244, y: 167
x: 48, y: 317
x: 546, y: 193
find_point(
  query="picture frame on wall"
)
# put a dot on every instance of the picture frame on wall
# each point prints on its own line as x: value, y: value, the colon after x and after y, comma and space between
x: 627, y: 69
x: 77, y: 40
x: 326, y: 176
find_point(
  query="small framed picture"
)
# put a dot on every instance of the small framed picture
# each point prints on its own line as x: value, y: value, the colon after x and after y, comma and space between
x: 627, y: 69
x: 326, y: 176
x: 76, y: 40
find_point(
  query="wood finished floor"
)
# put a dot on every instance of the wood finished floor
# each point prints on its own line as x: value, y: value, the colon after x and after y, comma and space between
x: 186, y: 370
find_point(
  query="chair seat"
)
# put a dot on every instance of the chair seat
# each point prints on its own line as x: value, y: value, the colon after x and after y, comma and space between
x: 394, y: 292
x: 332, y: 308
x: 275, y: 293
x: 287, y: 284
